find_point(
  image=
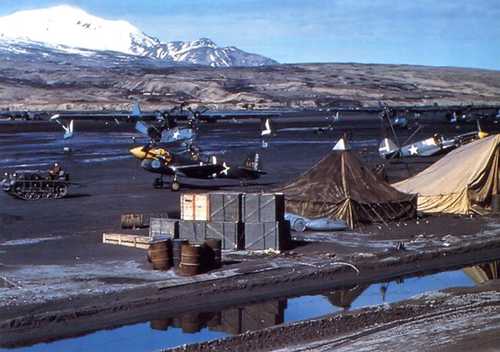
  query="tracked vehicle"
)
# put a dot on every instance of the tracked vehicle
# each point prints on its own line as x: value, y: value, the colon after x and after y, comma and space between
x: 34, y: 186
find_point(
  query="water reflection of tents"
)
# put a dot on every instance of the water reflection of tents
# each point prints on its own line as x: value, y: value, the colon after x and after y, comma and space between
x: 484, y: 272
x: 462, y: 182
x: 345, y: 298
x: 340, y: 187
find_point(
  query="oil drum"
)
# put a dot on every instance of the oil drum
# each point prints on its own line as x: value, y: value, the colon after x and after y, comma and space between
x: 191, y: 323
x: 214, y: 255
x: 176, y: 250
x: 191, y: 259
x: 160, y: 324
x: 160, y: 254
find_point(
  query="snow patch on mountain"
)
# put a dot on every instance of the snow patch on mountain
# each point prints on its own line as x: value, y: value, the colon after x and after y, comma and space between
x: 70, y: 29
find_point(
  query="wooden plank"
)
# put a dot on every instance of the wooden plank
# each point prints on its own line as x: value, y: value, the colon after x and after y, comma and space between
x: 201, y: 207
x: 126, y: 240
x: 187, y: 206
x: 195, y: 206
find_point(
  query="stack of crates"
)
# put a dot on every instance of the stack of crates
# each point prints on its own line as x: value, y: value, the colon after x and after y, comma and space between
x: 251, y: 221
x: 264, y: 217
x: 212, y: 215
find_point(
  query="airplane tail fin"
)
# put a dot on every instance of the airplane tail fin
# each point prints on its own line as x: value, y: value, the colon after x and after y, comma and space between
x: 136, y: 110
x: 253, y: 162
x: 387, y: 148
x: 266, y: 127
x: 69, y: 130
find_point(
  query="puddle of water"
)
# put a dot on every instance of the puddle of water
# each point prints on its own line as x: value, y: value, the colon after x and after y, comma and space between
x: 163, y: 332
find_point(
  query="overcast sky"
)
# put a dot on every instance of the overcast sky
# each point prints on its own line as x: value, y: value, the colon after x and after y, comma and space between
x: 429, y: 32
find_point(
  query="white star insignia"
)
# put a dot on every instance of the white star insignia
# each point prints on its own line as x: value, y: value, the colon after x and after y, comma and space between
x: 413, y: 149
x: 226, y: 168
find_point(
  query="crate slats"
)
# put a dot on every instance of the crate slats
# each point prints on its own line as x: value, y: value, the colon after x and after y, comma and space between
x: 126, y: 240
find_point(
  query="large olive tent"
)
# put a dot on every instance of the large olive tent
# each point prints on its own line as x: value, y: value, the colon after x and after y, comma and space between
x: 462, y: 182
x: 340, y: 187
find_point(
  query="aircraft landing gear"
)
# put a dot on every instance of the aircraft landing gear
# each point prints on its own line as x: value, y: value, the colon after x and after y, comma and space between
x: 158, y: 182
x: 175, y: 186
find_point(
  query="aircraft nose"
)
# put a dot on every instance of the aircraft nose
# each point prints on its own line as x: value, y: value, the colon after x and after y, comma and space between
x: 138, y: 152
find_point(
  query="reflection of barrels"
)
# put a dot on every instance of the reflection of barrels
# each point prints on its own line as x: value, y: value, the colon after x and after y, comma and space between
x: 132, y: 221
x: 191, y: 323
x: 177, y: 323
x: 160, y: 254
x: 495, y: 203
x: 160, y: 324
x: 176, y: 251
x: 191, y: 256
x: 214, y: 321
x: 214, y: 248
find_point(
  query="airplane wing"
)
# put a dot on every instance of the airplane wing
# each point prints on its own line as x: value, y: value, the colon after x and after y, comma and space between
x: 197, y: 170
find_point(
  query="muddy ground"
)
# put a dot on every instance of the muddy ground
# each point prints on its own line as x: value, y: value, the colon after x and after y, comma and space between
x: 58, y: 280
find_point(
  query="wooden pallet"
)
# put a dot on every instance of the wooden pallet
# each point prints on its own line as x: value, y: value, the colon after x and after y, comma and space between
x: 126, y: 240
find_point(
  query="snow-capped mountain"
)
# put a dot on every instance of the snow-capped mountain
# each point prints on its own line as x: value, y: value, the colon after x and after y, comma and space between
x: 69, y: 29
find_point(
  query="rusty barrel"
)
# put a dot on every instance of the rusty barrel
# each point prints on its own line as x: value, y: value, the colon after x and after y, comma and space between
x: 160, y: 254
x: 191, y: 323
x: 160, y: 324
x: 495, y: 203
x: 191, y: 259
x: 176, y: 250
x: 214, y: 249
x: 132, y: 221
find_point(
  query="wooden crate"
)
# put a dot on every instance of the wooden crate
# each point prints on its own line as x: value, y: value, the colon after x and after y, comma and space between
x: 225, y: 206
x: 263, y: 207
x: 267, y: 235
x: 231, y: 233
x: 132, y: 221
x: 195, y: 206
x: 162, y: 227
x: 126, y: 240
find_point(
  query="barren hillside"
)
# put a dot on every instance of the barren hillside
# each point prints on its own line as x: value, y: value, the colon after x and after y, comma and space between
x: 64, y: 82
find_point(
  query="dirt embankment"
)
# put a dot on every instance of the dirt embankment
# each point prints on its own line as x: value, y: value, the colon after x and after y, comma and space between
x: 448, y: 320
x: 293, y: 274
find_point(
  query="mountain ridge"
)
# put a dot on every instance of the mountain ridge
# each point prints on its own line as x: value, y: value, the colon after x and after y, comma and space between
x: 70, y: 29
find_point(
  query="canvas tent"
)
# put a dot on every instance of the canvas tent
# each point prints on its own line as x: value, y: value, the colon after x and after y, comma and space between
x: 462, y: 182
x: 340, y: 187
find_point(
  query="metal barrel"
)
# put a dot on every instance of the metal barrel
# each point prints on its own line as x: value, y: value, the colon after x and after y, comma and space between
x: 215, y: 320
x: 191, y: 259
x: 495, y: 203
x: 132, y: 221
x: 191, y: 323
x: 160, y: 324
x: 176, y: 251
x: 214, y: 255
x: 160, y: 254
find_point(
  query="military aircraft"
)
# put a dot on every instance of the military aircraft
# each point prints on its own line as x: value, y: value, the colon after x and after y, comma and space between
x: 160, y: 126
x: 166, y: 163
x: 398, y: 121
x: 435, y: 145
x: 332, y: 119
